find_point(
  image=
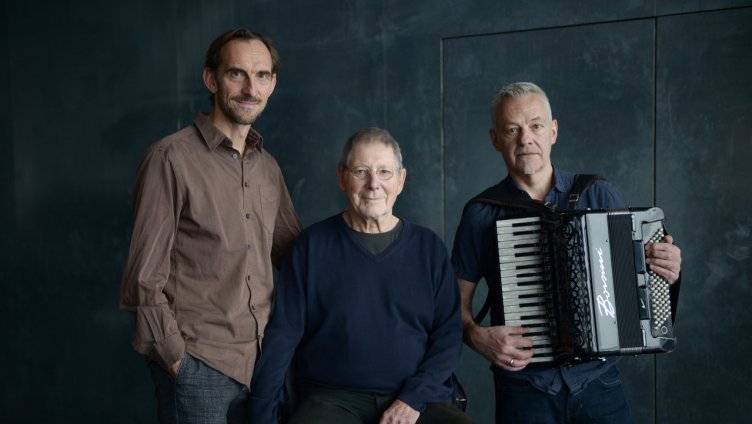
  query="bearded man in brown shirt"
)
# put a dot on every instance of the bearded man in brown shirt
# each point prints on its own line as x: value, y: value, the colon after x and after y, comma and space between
x: 212, y: 216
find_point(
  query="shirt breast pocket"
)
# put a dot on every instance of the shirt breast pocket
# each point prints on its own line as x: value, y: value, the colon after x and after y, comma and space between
x: 269, y: 201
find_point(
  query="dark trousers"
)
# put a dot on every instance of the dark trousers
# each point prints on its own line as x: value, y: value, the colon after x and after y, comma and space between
x: 319, y: 405
x: 601, y: 402
x: 198, y: 394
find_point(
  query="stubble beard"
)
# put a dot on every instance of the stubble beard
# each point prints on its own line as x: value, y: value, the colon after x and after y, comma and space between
x: 529, y: 168
x: 236, y: 115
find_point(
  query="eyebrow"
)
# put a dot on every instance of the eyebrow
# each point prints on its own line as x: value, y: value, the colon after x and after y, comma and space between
x: 259, y: 73
x: 234, y: 69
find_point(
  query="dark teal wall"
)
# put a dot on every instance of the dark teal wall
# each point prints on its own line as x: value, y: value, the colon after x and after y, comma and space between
x: 653, y: 94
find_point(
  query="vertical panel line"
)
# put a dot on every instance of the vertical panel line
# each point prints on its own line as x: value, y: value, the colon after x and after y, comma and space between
x: 655, y: 111
x: 442, y: 164
x: 385, y: 66
x: 655, y: 184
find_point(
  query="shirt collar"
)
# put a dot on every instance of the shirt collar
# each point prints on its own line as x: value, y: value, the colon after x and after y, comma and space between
x: 214, y: 137
x: 560, y: 185
x: 510, y: 184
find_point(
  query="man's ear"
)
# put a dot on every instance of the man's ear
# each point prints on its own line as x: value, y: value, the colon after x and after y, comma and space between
x: 341, y: 178
x: 403, y: 177
x: 494, y: 139
x: 274, y: 83
x: 210, y: 80
x: 554, y: 130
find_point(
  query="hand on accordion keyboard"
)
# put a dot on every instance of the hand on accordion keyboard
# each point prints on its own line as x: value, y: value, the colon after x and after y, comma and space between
x: 504, y: 346
x: 664, y: 259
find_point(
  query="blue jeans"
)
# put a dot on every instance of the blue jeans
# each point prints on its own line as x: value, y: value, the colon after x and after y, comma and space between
x: 601, y: 402
x: 198, y: 394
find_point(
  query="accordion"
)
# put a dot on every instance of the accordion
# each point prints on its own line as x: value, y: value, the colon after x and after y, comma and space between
x: 579, y: 282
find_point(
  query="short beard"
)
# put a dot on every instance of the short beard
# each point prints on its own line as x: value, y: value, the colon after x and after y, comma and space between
x: 236, y: 117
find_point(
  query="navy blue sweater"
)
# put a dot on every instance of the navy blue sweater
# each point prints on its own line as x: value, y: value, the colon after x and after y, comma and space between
x: 384, y: 324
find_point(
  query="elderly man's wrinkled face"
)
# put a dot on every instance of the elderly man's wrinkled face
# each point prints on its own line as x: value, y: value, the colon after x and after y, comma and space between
x: 371, y: 192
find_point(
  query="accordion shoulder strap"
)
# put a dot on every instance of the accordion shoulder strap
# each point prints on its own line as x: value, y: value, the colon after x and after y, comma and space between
x: 581, y: 183
x: 493, y: 196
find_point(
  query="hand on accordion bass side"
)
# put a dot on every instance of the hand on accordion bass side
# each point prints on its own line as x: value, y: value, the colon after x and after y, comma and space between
x: 664, y: 258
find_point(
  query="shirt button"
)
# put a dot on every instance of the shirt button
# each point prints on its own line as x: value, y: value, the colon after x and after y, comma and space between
x: 247, y: 216
x: 247, y: 247
x: 253, y: 307
x: 234, y: 155
x: 245, y: 184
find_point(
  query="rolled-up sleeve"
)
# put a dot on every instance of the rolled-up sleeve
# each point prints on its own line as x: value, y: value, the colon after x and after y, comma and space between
x: 156, y: 208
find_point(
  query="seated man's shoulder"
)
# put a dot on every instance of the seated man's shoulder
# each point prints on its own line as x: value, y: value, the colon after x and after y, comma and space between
x: 326, y: 227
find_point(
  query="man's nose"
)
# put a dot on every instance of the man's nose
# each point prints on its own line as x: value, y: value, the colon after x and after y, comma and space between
x: 371, y: 179
x: 247, y: 88
x: 526, y: 136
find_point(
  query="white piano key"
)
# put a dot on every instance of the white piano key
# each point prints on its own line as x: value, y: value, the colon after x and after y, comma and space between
x: 517, y: 221
x: 540, y: 340
x: 527, y: 322
x: 531, y: 309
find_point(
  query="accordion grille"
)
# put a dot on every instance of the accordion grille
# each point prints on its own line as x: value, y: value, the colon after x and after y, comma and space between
x: 625, y: 280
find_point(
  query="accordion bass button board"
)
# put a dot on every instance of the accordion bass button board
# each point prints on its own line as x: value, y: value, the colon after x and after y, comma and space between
x: 579, y: 282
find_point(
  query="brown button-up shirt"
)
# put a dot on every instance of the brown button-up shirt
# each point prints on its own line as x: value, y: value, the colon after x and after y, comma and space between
x: 209, y: 223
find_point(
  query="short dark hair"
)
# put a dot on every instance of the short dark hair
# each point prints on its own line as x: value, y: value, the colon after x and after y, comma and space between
x: 214, y: 53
